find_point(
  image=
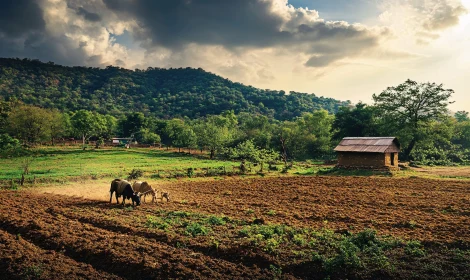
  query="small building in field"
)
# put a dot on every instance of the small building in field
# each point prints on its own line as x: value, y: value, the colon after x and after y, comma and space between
x: 368, y: 152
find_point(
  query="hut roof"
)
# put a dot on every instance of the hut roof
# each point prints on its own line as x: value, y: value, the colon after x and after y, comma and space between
x: 369, y: 145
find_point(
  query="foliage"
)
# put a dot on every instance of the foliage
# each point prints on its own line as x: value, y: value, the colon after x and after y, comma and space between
x: 9, y: 146
x: 135, y: 174
x: 29, y: 124
x: 360, y: 121
x: 410, y: 106
x: 161, y: 93
x: 194, y: 229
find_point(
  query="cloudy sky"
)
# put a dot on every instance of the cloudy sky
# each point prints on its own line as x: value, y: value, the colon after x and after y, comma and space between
x: 346, y: 49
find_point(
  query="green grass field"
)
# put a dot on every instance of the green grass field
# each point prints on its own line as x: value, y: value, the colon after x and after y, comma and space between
x: 66, y: 162
x: 60, y: 164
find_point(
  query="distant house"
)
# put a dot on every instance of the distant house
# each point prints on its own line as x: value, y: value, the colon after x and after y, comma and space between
x: 368, y: 152
x: 121, y: 140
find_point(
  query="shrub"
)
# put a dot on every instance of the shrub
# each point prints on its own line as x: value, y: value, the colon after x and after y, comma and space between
x: 299, y: 239
x: 347, y: 258
x: 156, y: 222
x: 271, y: 245
x: 196, y: 229
x: 216, y: 221
x: 9, y: 146
x: 190, y: 172
x: 135, y: 174
x: 415, y: 248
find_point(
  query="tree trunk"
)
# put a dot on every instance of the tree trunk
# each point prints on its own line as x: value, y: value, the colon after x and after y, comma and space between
x: 189, y: 150
x: 212, y: 153
x: 410, y: 148
x: 83, y: 141
x: 284, y: 152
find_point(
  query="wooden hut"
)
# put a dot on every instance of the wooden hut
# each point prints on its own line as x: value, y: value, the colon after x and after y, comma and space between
x: 368, y: 152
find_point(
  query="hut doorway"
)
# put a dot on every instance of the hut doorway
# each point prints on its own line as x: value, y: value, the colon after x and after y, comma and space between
x: 392, y: 155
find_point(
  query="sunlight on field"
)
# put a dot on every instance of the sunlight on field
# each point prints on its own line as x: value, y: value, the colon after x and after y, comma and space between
x: 55, y: 162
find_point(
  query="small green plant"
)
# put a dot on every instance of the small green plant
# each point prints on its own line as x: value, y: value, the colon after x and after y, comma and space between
x: 271, y: 245
x: 415, y: 248
x: 412, y: 224
x: 216, y: 221
x: 190, y: 172
x: 215, y: 243
x: 245, y: 231
x: 194, y: 229
x: 129, y: 208
x: 14, y: 186
x: 271, y: 213
x: 181, y: 214
x: 156, y: 222
x: 276, y: 271
x: 249, y: 211
x: 299, y: 239
x: 33, y: 272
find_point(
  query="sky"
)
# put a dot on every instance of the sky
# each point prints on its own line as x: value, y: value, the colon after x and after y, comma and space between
x: 344, y: 49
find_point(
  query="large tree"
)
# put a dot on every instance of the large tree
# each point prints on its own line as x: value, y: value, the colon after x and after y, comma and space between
x: 411, y: 105
x: 360, y: 121
x: 84, y: 123
x: 29, y: 123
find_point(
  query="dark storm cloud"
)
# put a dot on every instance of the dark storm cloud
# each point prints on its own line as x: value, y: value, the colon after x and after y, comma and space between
x: 88, y: 15
x: 242, y: 24
x: 59, y: 49
x: 23, y: 34
x: 229, y: 23
x: 20, y: 17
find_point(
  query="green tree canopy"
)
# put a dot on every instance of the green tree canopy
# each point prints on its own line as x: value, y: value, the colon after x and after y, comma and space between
x: 410, y: 105
x: 360, y: 121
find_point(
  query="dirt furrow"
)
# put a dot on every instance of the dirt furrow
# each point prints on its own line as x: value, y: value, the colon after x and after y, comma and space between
x: 21, y: 259
x: 109, y: 250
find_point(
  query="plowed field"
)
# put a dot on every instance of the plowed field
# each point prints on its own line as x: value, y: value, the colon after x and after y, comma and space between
x: 290, y: 227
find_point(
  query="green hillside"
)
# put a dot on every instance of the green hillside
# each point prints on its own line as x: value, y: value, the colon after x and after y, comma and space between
x: 163, y: 93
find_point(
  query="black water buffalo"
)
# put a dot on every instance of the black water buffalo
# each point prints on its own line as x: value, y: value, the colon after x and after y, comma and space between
x: 124, y: 188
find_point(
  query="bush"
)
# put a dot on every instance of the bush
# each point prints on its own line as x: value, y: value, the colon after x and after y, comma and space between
x: 415, y: 248
x: 156, y: 222
x: 196, y: 229
x: 346, y: 260
x: 9, y: 146
x: 216, y: 221
x: 135, y: 174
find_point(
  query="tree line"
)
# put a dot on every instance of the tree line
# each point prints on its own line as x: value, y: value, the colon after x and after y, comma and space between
x: 416, y: 113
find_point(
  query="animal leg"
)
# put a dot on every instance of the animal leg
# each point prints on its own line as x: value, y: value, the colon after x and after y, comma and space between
x: 111, y: 197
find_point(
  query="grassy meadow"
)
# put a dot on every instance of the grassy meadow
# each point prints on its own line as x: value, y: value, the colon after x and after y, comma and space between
x: 71, y: 161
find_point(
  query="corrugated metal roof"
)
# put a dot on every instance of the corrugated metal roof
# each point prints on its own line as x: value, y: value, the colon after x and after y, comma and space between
x: 369, y: 145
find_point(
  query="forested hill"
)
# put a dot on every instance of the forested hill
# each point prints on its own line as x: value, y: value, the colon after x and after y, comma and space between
x: 163, y: 93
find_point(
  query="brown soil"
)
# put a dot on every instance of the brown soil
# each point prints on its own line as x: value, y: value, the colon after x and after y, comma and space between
x: 52, y: 236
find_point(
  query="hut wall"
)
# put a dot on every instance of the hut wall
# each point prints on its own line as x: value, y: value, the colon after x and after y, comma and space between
x: 395, y: 161
x: 388, y: 159
x: 373, y: 160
